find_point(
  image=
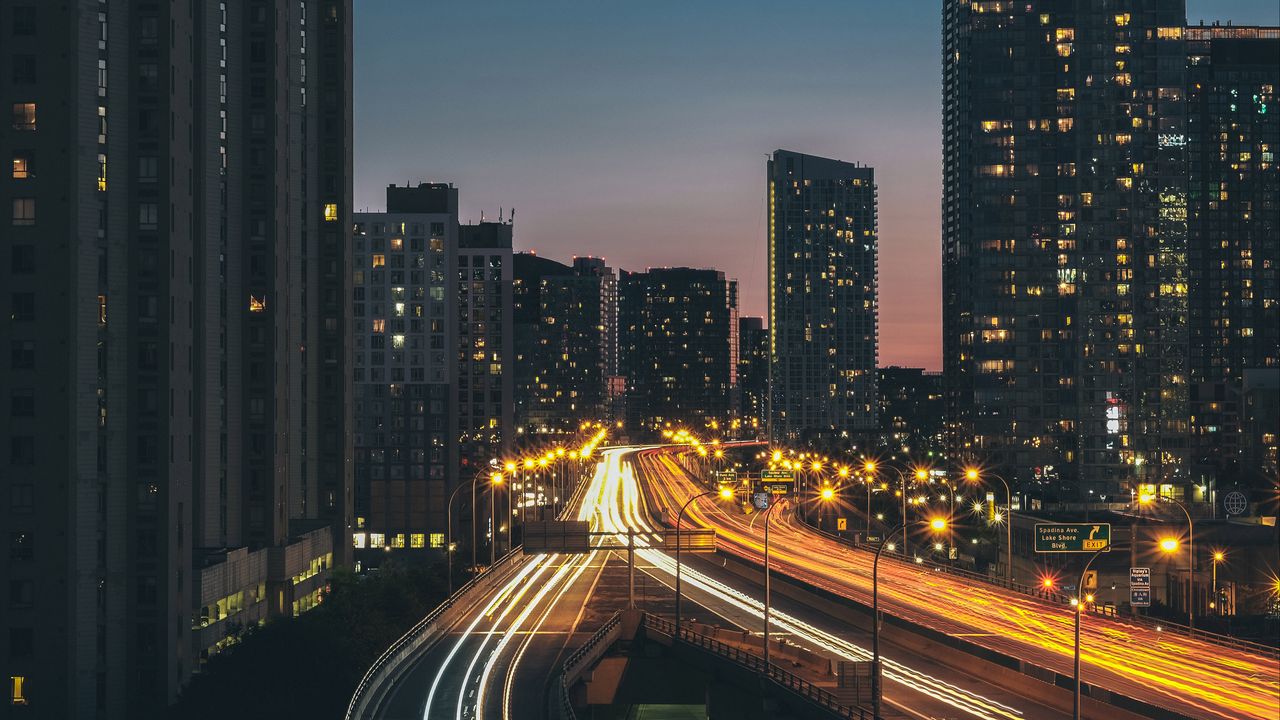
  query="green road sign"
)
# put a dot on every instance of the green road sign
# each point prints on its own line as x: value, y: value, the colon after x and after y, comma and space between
x: 1072, y: 537
x: 778, y: 475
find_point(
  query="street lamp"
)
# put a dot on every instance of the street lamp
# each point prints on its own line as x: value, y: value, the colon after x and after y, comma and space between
x: 767, y: 584
x: 1169, y: 545
x: 936, y: 525
x: 725, y: 494
x: 495, y: 480
x: 1215, y: 604
x: 448, y: 512
x: 972, y: 474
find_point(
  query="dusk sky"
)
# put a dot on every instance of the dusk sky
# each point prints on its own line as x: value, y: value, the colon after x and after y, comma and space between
x: 639, y: 131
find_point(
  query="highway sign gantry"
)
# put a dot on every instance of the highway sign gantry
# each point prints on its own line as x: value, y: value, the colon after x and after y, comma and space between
x: 778, y: 482
x: 1072, y: 537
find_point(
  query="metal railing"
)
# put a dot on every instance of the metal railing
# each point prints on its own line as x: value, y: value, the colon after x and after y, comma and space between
x: 421, y: 634
x: 789, y: 681
x: 589, y: 651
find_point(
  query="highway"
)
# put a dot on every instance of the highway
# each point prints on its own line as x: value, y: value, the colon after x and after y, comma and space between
x: 1192, y: 677
x: 498, y: 662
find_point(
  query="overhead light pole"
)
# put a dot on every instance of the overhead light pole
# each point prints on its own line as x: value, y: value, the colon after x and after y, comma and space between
x: 937, y: 525
x: 724, y: 493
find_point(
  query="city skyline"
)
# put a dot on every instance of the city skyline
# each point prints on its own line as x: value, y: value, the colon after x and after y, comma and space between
x: 547, y: 112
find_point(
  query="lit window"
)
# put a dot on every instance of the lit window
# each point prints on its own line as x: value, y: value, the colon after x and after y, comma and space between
x: 330, y: 212
x: 359, y: 540
x: 102, y: 309
x: 21, y: 167
x: 437, y: 540
x: 24, y: 116
x: 397, y: 243
x: 257, y: 304
x: 397, y: 540
x: 16, y: 695
x: 1122, y: 19
x: 379, y: 325
x: 377, y: 540
x: 24, y: 211
x: 379, y: 260
x: 397, y: 342
x: 102, y: 172
x: 417, y: 540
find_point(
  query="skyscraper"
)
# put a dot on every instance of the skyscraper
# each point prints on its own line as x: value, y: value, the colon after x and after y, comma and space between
x: 822, y: 246
x: 567, y: 322
x: 1232, y: 139
x: 678, y: 346
x: 176, y: 311
x: 1065, y: 256
x: 404, y: 338
x: 753, y: 377
x: 432, y: 308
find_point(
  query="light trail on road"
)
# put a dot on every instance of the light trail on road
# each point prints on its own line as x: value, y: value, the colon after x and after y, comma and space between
x: 1189, y: 676
x: 632, y: 515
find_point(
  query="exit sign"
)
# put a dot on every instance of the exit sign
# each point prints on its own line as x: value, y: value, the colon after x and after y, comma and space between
x: 1072, y: 537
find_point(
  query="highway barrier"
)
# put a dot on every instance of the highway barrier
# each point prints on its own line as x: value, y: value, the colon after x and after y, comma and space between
x: 373, y: 687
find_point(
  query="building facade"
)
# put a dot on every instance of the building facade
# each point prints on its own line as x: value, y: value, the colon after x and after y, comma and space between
x: 176, y: 309
x: 1232, y: 140
x: 822, y: 247
x: 568, y: 319
x: 678, y: 347
x: 1065, y: 244
x: 911, y: 410
x: 432, y: 309
x: 753, y: 377
x: 403, y: 260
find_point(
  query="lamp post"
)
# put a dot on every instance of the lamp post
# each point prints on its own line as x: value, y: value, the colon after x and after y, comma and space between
x: 972, y: 475
x: 1170, y: 545
x: 869, y: 468
x: 937, y: 524
x: 1215, y: 604
x: 826, y: 495
x: 495, y: 480
x: 1078, y: 604
x: 724, y: 493
x: 448, y: 512
x: 510, y: 469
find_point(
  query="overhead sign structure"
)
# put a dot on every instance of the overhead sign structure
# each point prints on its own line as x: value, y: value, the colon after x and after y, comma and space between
x: 691, y: 541
x: 557, y: 536
x: 1072, y: 537
x: 778, y: 482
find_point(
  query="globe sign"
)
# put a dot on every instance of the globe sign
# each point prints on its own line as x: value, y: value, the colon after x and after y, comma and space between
x: 1235, y: 503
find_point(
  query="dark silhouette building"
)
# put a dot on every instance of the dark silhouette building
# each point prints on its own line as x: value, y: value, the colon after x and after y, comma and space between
x: 567, y: 349
x: 1233, y: 138
x: 1065, y: 244
x: 753, y: 378
x: 911, y: 410
x: 176, y: 314
x: 822, y: 246
x: 678, y: 347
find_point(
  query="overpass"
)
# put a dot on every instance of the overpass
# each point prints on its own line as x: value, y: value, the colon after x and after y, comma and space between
x: 498, y: 649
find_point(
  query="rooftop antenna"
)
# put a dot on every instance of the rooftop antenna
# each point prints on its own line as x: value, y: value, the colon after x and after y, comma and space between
x: 512, y: 217
x: 499, y: 215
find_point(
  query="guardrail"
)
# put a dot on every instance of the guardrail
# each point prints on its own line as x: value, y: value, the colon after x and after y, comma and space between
x: 590, y: 651
x: 368, y: 692
x: 1064, y: 599
x: 787, y: 680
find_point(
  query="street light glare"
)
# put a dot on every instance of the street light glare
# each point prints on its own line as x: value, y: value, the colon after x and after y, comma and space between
x: 938, y: 524
x: 971, y: 474
x: 870, y: 466
x: 726, y: 493
x: 921, y: 474
x: 1169, y: 544
x: 828, y: 493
